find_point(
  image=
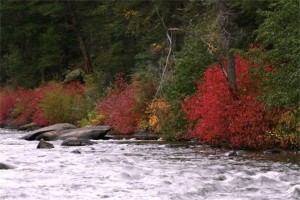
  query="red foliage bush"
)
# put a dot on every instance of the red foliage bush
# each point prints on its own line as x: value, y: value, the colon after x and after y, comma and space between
x: 24, y: 106
x: 17, y: 107
x: 118, y: 107
x: 60, y: 103
x: 222, y: 117
x: 7, y: 102
x: 122, y: 107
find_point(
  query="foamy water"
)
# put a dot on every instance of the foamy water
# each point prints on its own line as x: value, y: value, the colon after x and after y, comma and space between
x: 130, y: 170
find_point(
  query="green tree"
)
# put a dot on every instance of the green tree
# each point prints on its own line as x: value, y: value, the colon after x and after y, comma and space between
x: 23, y: 28
x: 20, y: 27
x: 187, y: 66
x: 279, y: 34
x: 12, y: 63
x: 50, y: 51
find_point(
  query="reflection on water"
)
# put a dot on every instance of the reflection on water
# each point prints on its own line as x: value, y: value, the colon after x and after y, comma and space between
x: 142, y: 170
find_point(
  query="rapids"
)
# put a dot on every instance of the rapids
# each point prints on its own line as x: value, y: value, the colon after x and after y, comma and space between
x: 141, y: 170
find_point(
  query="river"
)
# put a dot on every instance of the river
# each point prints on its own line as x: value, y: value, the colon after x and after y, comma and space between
x: 141, y: 170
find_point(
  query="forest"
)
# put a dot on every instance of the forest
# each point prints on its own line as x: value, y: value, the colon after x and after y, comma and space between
x: 221, y: 72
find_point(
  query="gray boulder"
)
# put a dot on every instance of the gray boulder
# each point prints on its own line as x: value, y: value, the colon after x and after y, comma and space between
x: 75, y: 75
x: 52, y: 135
x: 272, y: 151
x: 30, y: 126
x: 44, y: 145
x: 145, y: 135
x: 88, y: 132
x: 76, y: 151
x: 73, y: 141
x: 231, y: 153
x: 5, y: 166
x: 32, y: 135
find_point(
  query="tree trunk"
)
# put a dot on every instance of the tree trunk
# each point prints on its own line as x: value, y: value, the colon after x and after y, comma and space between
x: 227, y: 29
x: 230, y: 68
x: 83, y: 48
x: 42, y: 76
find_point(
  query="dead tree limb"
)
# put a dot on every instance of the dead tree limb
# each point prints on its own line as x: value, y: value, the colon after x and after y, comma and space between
x: 227, y: 29
x: 169, y: 37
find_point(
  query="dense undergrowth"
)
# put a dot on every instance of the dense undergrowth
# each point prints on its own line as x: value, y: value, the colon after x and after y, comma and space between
x: 214, y: 114
x: 46, y: 105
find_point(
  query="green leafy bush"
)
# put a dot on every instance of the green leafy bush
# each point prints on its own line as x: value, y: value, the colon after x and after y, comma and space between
x: 286, y: 131
x: 190, y: 64
x: 63, y: 103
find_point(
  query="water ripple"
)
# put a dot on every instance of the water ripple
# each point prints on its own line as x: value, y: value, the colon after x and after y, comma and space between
x: 140, y: 170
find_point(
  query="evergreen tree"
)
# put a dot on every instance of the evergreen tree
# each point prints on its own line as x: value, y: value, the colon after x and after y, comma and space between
x: 279, y: 34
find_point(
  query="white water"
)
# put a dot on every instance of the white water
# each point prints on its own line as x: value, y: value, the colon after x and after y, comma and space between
x: 130, y: 170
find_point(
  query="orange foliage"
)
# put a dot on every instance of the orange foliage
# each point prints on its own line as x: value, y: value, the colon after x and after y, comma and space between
x: 157, y: 108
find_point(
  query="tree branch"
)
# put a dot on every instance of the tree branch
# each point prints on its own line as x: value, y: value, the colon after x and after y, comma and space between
x: 168, y: 56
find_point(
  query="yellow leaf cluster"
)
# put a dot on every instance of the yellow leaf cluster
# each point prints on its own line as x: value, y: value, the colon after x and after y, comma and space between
x: 130, y: 13
x: 157, y: 109
x: 155, y: 47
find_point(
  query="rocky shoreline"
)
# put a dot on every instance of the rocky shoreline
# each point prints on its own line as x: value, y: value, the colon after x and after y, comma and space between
x: 73, y: 136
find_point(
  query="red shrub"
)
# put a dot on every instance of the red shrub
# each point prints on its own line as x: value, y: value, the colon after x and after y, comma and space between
x: 221, y: 117
x: 121, y: 107
x: 7, y: 102
x: 20, y: 107
x: 38, y: 114
x: 25, y: 106
x: 118, y: 107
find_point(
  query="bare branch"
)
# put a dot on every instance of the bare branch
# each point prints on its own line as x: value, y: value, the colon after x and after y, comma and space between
x: 167, y: 62
x: 161, y: 19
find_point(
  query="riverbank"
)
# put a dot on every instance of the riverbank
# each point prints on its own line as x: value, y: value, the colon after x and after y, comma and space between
x: 125, y: 109
x: 56, y: 131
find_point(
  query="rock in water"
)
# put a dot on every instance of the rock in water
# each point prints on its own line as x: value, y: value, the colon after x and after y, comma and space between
x: 88, y: 132
x: 73, y: 141
x: 29, y: 127
x: 5, y: 166
x: 145, y: 135
x: 76, y: 151
x: 272, y: 151
x: 56, y: 127
x: 51, y: 135
x: 44, y: 145
x: 231, y: 153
